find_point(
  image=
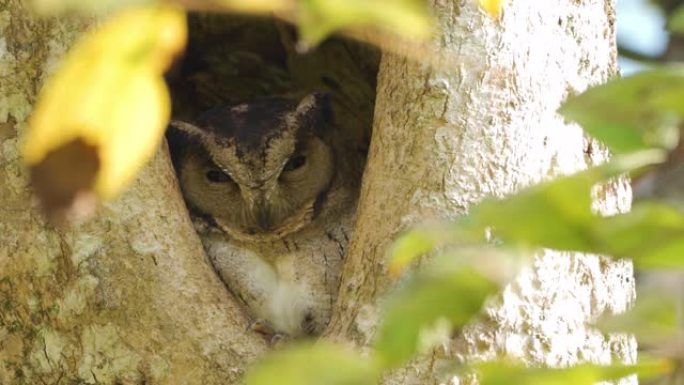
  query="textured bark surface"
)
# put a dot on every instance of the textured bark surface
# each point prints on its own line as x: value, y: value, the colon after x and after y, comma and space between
x: 127, y: 298
x: 486, y: 124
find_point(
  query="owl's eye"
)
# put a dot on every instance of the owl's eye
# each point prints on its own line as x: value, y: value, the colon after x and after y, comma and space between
x: 217, y: 176
x: 295, y: 163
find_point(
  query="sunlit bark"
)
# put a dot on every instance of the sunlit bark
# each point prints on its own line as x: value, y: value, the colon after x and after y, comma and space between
x: 486, y: 124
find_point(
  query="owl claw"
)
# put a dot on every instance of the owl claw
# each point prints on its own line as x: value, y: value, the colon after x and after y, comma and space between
x: 274, y: 338
x: 260, y: 326
x: 278, y: 340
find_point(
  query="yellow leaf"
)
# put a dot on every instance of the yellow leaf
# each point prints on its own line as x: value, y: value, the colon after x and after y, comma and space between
x: 89, y: 7
x: 492, y: 7
x: 109, y: 96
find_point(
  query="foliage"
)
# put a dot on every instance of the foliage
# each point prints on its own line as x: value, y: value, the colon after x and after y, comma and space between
x: 309, y: 364
x: 632, y: 113
x: 499, y: 373
x: 108, y: 104
x: 676, y: 22
x: 421, y: 302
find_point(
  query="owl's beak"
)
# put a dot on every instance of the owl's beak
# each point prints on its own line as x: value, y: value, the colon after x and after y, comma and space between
x: 256, y: 201
x: 261, y: 213
x: 264, y: 219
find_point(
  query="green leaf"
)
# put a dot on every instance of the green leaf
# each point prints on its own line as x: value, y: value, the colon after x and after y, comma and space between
x: 652, y: 234
x: 633, y: 113
x: 555, y: 214
x: 319, y: 18
x: 447, y: 290
x: 558, y: 215
x: 656, y: 317
x: 676, y: 22
x: 504, y: 373
x: 407, y: 247
x: 309, y: 364
x: 420, y: 241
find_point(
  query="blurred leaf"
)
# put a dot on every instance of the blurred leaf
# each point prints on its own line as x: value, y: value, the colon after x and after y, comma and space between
x: 651, y: 233
x: 676, y: 22
x: 633, y: 113
x: 318, y: 19
x: 405, y: 249
x: 558, y: 215
x: 108, y: 102
x: 492, y: 7
x: 417, y: 242
x: 655, y: 319
x: 503, y: 373
x: 448, y: 290
x: 554, y: 214
x: 322, y: 363
x: 652, y: 318
x: 85, y: 6
x: 255, y: 6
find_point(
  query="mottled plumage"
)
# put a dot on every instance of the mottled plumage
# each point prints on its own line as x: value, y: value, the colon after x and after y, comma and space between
x: 273, y: 196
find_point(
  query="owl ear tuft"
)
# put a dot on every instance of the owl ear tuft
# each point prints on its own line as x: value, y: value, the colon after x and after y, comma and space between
x: 314, y: 112
x: 185, y: 128
x: 186, y: 132
x: 181, y: 136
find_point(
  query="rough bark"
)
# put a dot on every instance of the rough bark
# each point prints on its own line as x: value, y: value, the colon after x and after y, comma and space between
x: 486, y: 124
x: 127, y: 298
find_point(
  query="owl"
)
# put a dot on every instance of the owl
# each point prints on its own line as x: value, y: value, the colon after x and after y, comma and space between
x: 272, y: 193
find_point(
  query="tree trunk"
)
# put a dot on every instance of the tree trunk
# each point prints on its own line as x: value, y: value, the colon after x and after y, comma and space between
x: 129, y: 297
x: 486, y: 124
